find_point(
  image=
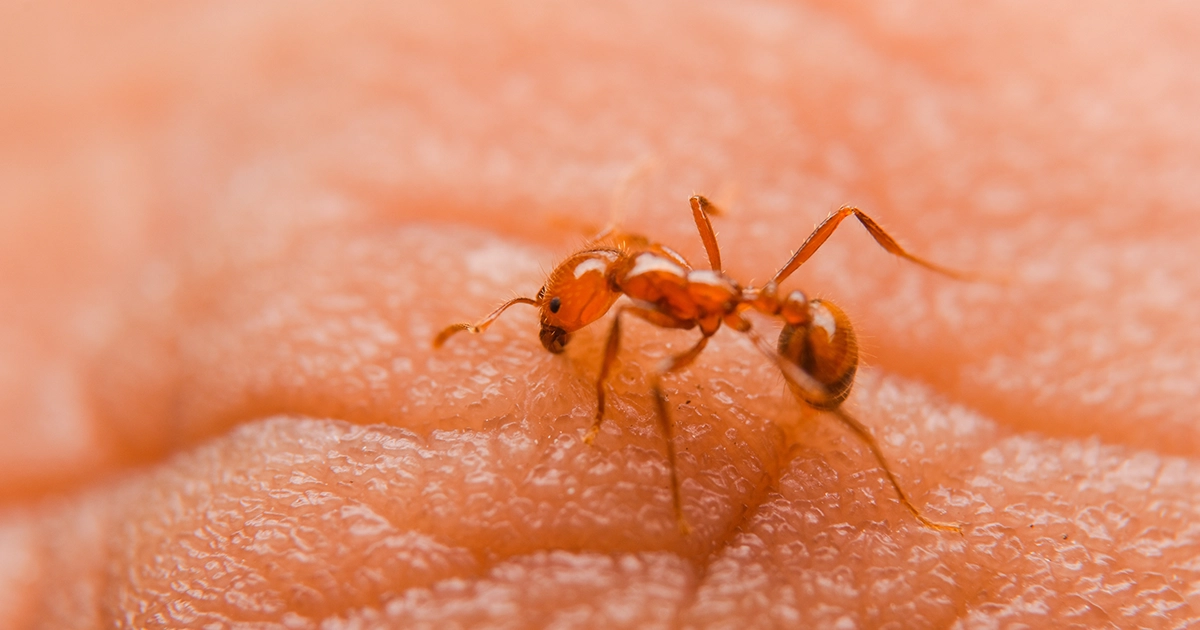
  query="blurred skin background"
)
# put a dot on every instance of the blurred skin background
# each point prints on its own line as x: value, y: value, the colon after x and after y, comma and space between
x: 228, y: 233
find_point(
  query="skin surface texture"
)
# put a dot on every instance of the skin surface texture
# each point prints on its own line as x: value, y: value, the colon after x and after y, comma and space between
x: 230, y: 231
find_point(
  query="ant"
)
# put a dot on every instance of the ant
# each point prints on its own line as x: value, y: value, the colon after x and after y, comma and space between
x: 817, y: 351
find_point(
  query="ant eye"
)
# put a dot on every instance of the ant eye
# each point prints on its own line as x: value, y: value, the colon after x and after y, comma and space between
x: 555, y: 304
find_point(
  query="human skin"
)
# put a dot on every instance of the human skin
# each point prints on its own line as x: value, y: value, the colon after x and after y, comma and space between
x: 230, y: 233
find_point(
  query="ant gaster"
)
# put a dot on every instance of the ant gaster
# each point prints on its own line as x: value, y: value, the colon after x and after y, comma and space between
x: 817, y: 351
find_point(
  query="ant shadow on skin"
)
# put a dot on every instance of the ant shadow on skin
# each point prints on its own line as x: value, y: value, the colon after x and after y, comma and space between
x: 816, y: 351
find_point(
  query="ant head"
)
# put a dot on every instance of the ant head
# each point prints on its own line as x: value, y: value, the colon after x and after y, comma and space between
x: 554, y: 338
x: 576, y: 294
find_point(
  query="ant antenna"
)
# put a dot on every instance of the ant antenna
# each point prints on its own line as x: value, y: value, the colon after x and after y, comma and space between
x: 480, y: 325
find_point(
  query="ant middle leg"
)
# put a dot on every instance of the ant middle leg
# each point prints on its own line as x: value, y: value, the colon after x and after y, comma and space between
x: 701, y: 209
x: 677, y: 362
x: 611, y: 347
x: 885, y: 240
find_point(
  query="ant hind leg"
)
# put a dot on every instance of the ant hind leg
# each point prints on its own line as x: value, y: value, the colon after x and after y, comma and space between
x: 823, y: 231
x: 865, y: 435
x: 815, y: 391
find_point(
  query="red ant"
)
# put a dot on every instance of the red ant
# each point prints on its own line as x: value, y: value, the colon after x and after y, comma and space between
x: 817, y: 351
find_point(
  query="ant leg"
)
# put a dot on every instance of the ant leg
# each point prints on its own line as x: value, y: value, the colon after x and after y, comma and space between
x: 611, y: 346
x: 620, y: 196
x: 481, y: 325
x: 677, y: 362
x: 865, y: 435
x: 813, y: 388
x: 826, y: 228
x: 816, y: 391
x: 701, y: 208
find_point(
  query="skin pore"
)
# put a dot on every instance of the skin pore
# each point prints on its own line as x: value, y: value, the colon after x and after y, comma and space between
x: 229, y: 235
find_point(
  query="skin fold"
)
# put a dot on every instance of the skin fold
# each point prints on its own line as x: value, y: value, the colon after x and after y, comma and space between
x: 229, y: 233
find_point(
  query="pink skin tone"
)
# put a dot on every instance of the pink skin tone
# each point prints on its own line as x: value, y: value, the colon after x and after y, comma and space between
x: 228, y: 235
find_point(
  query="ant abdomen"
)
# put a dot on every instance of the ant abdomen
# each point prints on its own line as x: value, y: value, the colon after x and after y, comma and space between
x: 824, y: 346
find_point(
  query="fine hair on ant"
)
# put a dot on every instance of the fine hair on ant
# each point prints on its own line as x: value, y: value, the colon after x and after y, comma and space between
x: 817, y: 351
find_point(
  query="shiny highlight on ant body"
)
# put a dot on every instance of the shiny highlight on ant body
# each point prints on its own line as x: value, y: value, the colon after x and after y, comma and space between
x: 817, y: 351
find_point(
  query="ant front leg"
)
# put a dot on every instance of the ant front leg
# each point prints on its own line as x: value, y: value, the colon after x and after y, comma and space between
x: 613, y: 344
x: 671, y: 364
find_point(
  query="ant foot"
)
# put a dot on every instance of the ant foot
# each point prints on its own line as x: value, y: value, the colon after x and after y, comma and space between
x: 941, y: 527
x: 591, y: 434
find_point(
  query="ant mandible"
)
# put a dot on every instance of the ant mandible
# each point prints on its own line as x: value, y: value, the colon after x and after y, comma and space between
x: 817, y: 351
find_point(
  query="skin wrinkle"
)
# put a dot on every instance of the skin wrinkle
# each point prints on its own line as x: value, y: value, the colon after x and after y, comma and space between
x: 752, y: 501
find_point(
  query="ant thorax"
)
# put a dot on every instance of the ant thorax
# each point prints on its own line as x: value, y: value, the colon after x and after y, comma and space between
x: 676, y: 290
